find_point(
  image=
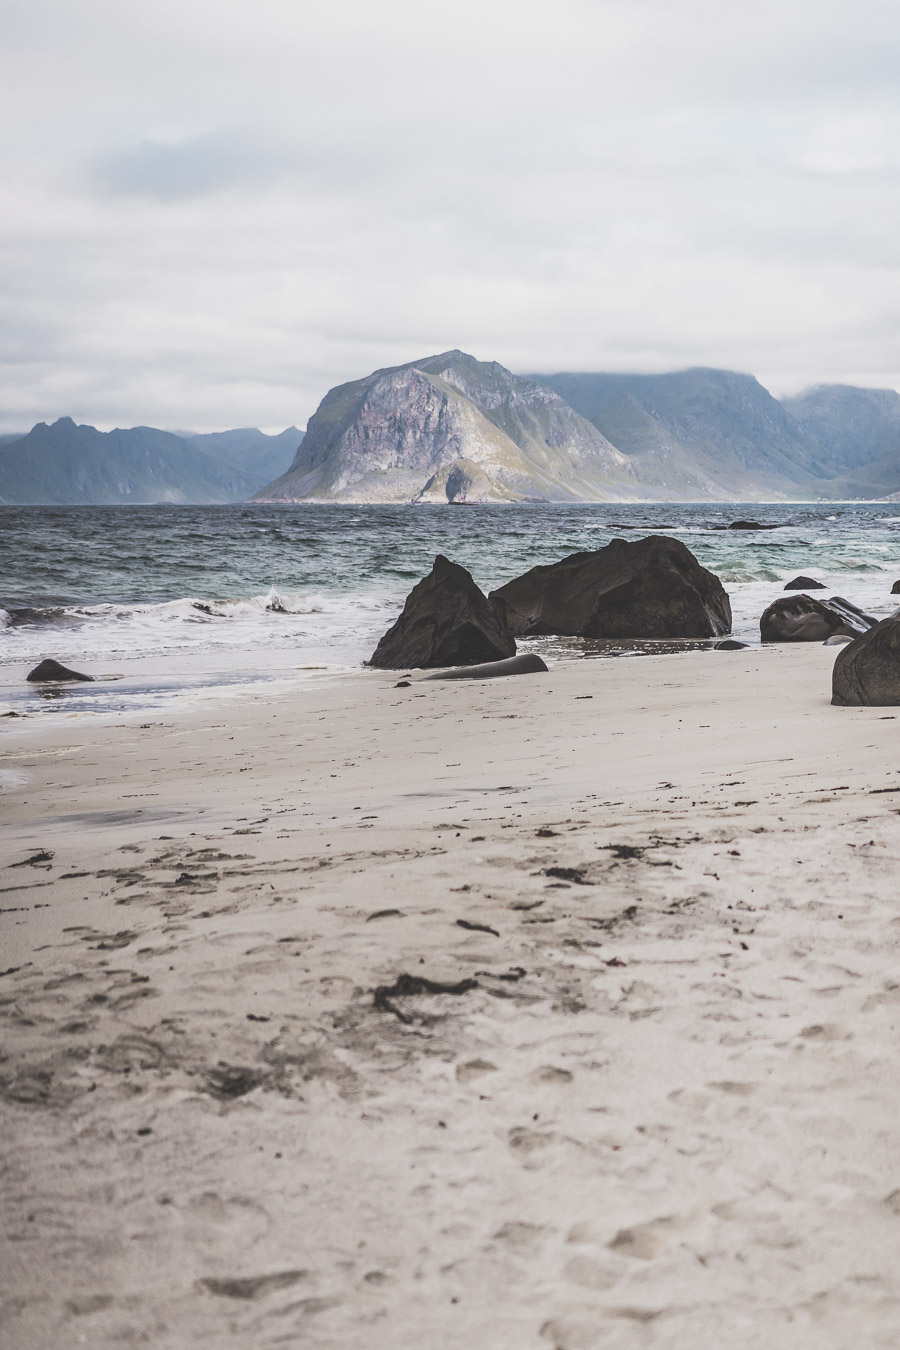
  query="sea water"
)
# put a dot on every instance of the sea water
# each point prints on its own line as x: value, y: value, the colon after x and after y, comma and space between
x: 193, y: 602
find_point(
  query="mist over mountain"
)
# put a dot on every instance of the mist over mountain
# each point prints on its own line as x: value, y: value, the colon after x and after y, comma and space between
x: 720, y: 423
x: 851, y: 427
x: 67, y: 464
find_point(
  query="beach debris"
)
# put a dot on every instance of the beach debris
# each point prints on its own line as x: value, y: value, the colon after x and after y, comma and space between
x: 645, y: 588
x: 804, y: 584
x: 800, y: 618
x: 253, y: 1286
x: 227, y: 1081
x: 35, y: 859
x: 624, y: 850
x: 512, y: 975
x: 837, y: 640
x: 384, y: 914
x: 867, y: 673
x: 731, y: 645
x: 573, y: 874
x: 51, y: 672
x: 402, y: 684
x: 408, y: 986
x: 477, y: 927
x: 446, y: 621
x: 528, y: 663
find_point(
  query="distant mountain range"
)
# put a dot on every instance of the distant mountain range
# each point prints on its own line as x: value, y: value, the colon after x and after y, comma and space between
x: 451, y: 428
x: 71, y: 465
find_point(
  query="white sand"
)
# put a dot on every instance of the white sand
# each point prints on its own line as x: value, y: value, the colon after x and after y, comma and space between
x: 666, y: 1116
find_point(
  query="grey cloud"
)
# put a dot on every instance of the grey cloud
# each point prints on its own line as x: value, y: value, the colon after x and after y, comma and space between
x: 212, y: 213
x: 197, y: 166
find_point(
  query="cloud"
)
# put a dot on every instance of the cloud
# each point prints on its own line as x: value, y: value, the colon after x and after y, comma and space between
x: 215, y: 209
x: 197, y: 166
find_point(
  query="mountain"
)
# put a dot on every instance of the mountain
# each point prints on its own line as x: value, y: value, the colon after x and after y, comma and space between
x: 716, y: 425
x: 65, y: 464
x: 450, y: 427
x: 853, y: 427
x: 250, y: 451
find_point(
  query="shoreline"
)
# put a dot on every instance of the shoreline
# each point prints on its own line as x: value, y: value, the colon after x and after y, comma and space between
x: 658, y: 1108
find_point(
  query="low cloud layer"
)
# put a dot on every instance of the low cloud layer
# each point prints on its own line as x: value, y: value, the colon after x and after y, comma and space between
x: 214, y: 211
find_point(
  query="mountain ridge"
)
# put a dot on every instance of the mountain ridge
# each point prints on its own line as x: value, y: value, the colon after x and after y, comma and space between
x: 64, y: 463
x: 449, y: 427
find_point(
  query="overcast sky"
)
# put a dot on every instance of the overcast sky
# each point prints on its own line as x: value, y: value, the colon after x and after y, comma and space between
x: 214, y: 210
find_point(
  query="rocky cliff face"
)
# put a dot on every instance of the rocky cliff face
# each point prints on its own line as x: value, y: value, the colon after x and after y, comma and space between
x: 449, y: 423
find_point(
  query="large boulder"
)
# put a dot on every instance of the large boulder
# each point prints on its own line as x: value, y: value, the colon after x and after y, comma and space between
x: 648, y: 588
x: 895, y: 589
x: 800, y: 618
x: 51, y: 671
x: 446, y: 621
x: 867, y: 672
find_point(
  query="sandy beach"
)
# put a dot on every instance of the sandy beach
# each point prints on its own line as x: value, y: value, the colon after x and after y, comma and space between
x: 657, y: 1105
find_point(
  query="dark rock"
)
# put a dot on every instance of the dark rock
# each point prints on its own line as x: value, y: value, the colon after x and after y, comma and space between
x: 446, y: 621
x: 51, y: 670
x: 895, y: 589
x: 648, y: 588
x: 799, y: 618
x: 731, y: 645
x: 867, y: 673
x: 805, y: 584
x: 750, y: 525
x: 528, y: 663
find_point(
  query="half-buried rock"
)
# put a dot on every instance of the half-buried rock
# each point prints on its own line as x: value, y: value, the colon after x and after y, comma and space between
x: 867, y: 673
x: 647, y: 588
x: 446, y: 621
x: 527, y: 663
x: 51, y: 671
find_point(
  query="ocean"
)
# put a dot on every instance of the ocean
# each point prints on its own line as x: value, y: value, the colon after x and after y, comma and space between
x: 171, y: 603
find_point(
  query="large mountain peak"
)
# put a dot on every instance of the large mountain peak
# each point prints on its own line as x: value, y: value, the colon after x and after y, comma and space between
x: 389, y: 436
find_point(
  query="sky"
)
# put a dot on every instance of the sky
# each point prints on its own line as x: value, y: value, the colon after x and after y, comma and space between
x: 212, y: 211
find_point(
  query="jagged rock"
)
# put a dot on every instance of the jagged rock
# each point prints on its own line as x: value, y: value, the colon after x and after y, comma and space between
x: 51, y: 670
x: 648, y: 588
x: 800, y: 618
x: 731, y: 645
x: 446, y: 621
x: 805, y: 584
x: 528, y: 663
x: 867, y: 673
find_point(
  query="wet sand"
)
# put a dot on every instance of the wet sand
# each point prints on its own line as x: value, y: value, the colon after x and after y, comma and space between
x: 656, y: 1107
